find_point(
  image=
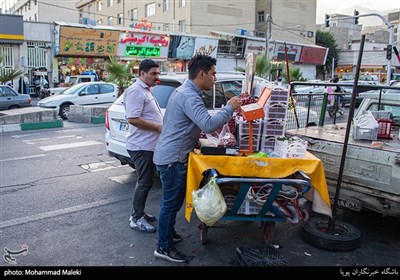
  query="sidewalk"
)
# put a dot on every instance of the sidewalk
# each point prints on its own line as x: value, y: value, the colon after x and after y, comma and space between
x: 28, y: 118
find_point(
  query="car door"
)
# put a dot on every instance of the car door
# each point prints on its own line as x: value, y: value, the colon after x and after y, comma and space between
x: 108, y: 93
x: 7, y: 98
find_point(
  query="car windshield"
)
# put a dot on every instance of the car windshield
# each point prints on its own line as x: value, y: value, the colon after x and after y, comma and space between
x: 73, y: 89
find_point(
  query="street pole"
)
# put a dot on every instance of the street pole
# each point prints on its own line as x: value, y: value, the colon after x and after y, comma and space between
x: 333, y: 68
x: 389, y: 61
x: 267, y: 34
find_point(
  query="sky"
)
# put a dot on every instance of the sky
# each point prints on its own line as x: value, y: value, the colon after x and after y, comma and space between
x: 347, y: 7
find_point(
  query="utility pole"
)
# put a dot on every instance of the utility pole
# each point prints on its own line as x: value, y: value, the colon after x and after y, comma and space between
x: 333, y: 68
x: 267, y: 34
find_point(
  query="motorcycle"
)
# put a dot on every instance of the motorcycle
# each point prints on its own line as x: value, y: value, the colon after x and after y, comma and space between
x: 336, y: 107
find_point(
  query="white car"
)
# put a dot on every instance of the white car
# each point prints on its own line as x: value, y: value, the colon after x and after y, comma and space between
x: 226, y: 86
x: 89, y: 93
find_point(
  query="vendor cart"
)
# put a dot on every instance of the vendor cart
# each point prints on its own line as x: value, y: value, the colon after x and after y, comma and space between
x: 261, y: 200
x: 268, y: 178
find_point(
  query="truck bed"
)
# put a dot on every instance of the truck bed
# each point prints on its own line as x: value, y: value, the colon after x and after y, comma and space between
x: 336, y: 133
x: 371, y: 177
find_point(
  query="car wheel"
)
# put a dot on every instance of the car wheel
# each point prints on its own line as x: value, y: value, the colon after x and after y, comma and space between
x: 13, y: 107
x: 64, y: 111
x: 344, y: 237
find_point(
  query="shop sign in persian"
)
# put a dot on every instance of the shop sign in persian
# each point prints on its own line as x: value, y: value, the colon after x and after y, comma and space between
x: 253, y: 46
x: 293, y: 52
x: 206, y: 46
x: 313, y: 55
x: 87, y: 42
x: 143, y: 44
x: 142, y: 51
x: 181, y: 47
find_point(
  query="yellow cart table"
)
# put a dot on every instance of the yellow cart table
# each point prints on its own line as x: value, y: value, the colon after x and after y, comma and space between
x: 260, y: 168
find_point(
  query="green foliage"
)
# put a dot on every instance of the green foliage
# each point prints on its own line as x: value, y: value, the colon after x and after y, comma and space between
x: 119, y: 74
x: 263, y: 66
x: 327, y: 40
x: 262, y: 69
x: 8, y: 74
x: 295, y: 75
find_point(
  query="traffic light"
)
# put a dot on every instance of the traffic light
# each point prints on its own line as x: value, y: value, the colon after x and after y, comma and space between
x: 389, y: 52
x: 356, y: 13
x: 327, y: 19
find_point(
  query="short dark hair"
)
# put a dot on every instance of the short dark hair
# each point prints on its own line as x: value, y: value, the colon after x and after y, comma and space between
x: 147, y: 64
x: 200, y: 62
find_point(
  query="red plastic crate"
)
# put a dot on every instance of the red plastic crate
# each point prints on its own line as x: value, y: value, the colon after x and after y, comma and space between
x: 385, y: 127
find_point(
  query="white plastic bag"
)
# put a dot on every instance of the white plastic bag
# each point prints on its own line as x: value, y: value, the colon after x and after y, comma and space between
x: 209, y: 203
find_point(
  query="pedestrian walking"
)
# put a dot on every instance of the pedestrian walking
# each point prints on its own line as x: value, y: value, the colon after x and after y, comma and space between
x: 185, y: 117
x: 145, y: 123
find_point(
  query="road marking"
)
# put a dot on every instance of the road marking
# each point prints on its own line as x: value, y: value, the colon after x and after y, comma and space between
x: 70, y: 145
x: 123, y: 179
x: 66, y: 136
x: 100, y: 166
x: 69, y: 210
x: 22, y: 135
x: 19, y: 158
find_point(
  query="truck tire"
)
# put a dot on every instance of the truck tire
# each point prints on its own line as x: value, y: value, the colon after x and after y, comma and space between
x: 344, y: 237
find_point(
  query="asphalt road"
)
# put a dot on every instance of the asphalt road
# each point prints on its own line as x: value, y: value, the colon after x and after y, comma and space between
x: 65, y: 199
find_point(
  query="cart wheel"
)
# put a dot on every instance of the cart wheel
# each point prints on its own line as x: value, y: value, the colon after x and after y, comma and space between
x: 203, y: 233
x: 268, y: 231
x: 345, y: 237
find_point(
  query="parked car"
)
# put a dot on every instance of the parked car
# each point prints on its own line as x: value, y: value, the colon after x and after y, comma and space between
x: 10, y: 99
x: 88, y: 93
x: 348, y: 89
x: 227, y: 86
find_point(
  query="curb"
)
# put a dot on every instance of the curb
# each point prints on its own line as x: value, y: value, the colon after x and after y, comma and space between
x: 97, y: 120
x: 31, y: 126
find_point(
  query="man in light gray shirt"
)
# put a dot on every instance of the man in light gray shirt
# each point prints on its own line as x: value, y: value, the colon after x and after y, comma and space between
x: 145, y: 123
x: 185, y: 117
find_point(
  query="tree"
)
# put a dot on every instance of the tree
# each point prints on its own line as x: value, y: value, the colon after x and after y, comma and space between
x: 8, y: 74
x: 119, y: 74
x: 295, y: 75
x: 327, y: 40
x: 263, y: 67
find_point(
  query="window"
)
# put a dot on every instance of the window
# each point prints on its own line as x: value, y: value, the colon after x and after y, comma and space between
x: 106, y: 88
x: 37, y: 54
x: 92, y: 89
x: 120, y: 18
x: 165, y: 5
x: 134, y: 14
x: 182, y: 3
x: 150, y: 9
x: 109, y: 3
x: 182, y: 26
x: 261, y: 17
x: 110, y: 21
x: 90, y: 9
x: 118, y: 1
x: 100, y: 22
x: 166, y: 27
x: 99, y: 6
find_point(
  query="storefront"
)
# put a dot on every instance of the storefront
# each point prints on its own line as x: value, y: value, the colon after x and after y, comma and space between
x: 84, y: 49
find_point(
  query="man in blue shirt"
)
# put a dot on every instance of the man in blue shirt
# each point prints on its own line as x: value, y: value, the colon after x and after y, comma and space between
x: 184, y: 119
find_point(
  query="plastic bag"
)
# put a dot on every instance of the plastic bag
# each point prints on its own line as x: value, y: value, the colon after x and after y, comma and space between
x: 222, y: 137
x: 209, y: 203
